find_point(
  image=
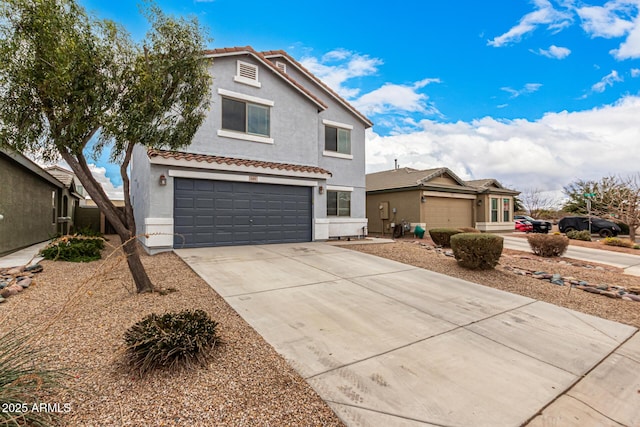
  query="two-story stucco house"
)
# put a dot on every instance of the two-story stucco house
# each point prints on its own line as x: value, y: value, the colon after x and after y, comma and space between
x: 280, y: 158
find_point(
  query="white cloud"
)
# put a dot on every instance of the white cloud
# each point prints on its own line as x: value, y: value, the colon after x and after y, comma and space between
x: 606, y: 21
x: 554, y: 52
x: 394, y: 98
x: 617, y: 18
x: 635, y: 72
x: 548, y: 153
x: 607, y: 80
x: 338, y: 66
x: 544, y: 15
x: 99, y: 173
x: 528, y: 88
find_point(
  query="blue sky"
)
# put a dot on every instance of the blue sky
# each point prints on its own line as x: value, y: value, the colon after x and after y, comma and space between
x: 534, y: 93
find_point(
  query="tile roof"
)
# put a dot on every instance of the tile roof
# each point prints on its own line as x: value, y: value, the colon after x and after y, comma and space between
x: 400, y: 178
x: 249, y: 50
x: 275, y: 53
x: 178, y: 155
x: 61, y: 174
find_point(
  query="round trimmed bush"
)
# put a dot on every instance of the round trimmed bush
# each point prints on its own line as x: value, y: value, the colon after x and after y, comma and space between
x: 442, y: 236
x: 548, y: 245
x: 477, y: 251
x: 170, y: 340
x: 579, y: 235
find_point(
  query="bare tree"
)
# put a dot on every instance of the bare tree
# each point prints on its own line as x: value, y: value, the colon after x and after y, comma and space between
x: 619, y: 200
x: 535, y: 200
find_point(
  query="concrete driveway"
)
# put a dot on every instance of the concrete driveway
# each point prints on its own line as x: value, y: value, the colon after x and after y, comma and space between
x: 384, y: 343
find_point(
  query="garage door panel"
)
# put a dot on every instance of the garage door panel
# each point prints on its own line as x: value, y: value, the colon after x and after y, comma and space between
x: 448, y: 212
x: 222, y: 213
x: 202, y: 185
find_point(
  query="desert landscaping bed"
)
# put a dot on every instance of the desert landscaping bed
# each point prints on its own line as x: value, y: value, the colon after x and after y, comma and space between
x: 77, y: 313
x: 422, y: 253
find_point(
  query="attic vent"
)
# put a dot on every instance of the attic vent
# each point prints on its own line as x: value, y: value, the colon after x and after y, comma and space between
x: 281, y: 66
x: 247, y: 74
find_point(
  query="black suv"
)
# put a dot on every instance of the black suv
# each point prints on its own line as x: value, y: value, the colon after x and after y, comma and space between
x: 598, y: 225
x: 538, y: 225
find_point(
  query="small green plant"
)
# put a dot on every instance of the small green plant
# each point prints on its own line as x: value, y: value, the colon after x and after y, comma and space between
x: 468, y: 230
x: 170, y: 340
x: 636, y: 246
x: 548, y: 245
x: 477, y: 251
x: 442, y: 236
x: 87, y: 231
x: 616, y: 241
x: 24, y: 382
x: 74, y: 248
x: 579, y: 235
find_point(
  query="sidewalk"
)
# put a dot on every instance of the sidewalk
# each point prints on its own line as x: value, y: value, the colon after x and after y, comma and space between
x: 23, y: 256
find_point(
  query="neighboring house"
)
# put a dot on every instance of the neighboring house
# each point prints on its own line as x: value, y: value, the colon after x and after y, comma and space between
x: 28, y: 202
x: 280, y: 158
x: 71, y: 196
x: 436, y: 198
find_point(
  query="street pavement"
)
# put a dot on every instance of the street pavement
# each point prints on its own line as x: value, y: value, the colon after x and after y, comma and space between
x: 630, y: 263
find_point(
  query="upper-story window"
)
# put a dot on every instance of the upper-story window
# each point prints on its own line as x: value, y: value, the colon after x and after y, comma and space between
x: 247, y: 73
x: 337, y: 139
x: 243, y: 116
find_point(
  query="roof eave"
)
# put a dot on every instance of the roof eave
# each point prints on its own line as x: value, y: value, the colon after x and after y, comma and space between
x: 281, y: 54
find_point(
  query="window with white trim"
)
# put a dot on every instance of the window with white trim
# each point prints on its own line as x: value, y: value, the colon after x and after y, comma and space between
x: 506, y: 211
x: 494, y: 210
x: 338, y: 203
x: 337, y: 139
x: 245, y: 117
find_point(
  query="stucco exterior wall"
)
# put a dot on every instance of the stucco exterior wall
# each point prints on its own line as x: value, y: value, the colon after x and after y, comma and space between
x: 26, y: 206
x: 294, y: 120
x: 406, y: 203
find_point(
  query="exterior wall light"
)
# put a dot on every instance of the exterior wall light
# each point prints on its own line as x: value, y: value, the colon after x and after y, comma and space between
x: 321, y: 189
x: 163, y: 180
x: 479, y: 202
x: 423, y: 199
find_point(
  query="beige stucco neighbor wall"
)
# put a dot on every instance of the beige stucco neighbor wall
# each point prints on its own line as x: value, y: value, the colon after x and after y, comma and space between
x: 406, y: 203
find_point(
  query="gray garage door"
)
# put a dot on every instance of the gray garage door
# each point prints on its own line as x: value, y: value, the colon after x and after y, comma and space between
x: 223, y: 213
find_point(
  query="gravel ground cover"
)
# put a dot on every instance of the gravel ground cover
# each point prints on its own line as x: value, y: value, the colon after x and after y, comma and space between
x: 421, y: 253
x: 77, y: 314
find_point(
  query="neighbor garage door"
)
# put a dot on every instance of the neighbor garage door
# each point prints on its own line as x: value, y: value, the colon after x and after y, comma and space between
x: 223, y: 213
x: 448, y: 212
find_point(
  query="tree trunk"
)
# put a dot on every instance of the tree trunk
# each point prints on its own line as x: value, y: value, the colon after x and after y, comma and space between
x: 139, y: 274
x: 123, y: 222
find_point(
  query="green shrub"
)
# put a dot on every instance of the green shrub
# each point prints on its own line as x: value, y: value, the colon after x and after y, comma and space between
x: 579, y: 235
x: 548, y: 245
x: 477, y: 251
x: 170, y: 340
x: 442, y: 236
x: 74, y: 249
x: 468, y: 230
x: 616, y: 241
x: 87, y: 231
x: 24, y: 383
x: 636, y: 246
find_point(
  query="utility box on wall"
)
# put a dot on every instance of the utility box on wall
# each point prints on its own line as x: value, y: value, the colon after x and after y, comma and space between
x: 383, y: 208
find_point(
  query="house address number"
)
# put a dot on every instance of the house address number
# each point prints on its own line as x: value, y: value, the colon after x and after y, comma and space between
x: 253, y: 178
